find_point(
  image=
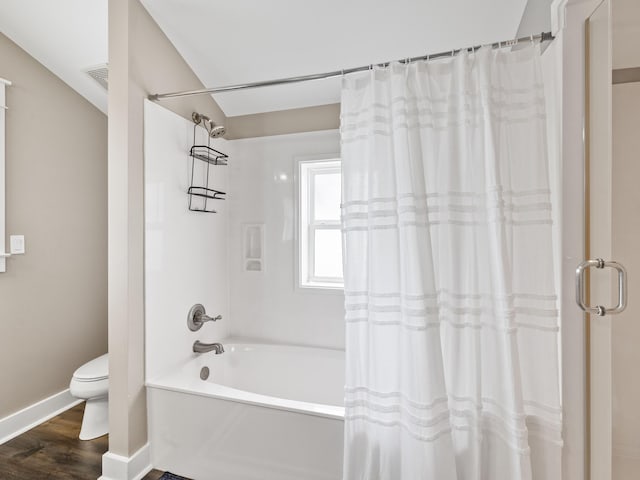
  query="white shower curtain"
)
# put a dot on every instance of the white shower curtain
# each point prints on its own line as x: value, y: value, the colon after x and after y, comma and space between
x: 451, y: 316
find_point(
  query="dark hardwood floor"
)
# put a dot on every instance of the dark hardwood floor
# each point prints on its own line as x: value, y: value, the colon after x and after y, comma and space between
x: 52, y: 451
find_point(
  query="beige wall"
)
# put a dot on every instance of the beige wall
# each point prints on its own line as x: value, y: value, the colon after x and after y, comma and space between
x: 625, y: 335
x: 626, y: 32
x: 625, y: 328
x: 298, y: 120
x: 53, y: 300
x: 141, y: 61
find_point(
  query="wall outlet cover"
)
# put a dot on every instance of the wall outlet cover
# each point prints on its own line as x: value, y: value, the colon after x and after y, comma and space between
x: 16, y: 243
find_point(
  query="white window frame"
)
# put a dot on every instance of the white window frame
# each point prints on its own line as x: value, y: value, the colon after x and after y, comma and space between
x: 307, y: 169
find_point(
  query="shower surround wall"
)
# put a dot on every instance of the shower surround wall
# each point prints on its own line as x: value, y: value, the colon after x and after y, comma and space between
x: 194, y: 257
x: 262, y: 189
x: 187, y: 262
x: 185, y: 252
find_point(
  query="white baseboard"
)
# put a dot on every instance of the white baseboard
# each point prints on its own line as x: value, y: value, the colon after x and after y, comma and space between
x: 117, y: 467
x: 13, y: 425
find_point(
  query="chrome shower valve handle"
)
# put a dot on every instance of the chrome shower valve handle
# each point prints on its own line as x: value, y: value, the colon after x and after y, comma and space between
x: 197, y: 317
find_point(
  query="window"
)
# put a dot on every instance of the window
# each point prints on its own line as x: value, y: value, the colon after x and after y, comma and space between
x: 320, y: 237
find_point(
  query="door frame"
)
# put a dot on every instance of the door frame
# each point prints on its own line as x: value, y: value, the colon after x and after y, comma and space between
x: 598, y: 235
x: 569, y: 18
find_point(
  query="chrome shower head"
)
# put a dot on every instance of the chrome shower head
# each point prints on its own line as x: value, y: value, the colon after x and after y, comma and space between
x: 209, y: 125
x: 217, y: 131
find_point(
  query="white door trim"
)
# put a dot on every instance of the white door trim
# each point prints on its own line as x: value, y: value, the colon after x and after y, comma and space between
x: 600, y: 191
x: 568, y: 18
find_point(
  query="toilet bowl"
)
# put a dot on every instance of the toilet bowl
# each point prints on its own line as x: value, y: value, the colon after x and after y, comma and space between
x: 90, y: 382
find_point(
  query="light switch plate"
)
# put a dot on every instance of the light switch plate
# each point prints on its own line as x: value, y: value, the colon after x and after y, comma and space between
x: 16, y: 243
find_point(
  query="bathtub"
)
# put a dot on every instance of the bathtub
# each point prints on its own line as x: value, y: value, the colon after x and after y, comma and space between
x: 265, y: 412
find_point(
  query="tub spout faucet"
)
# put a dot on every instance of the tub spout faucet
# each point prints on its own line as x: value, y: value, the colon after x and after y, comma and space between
x: 199, y: 347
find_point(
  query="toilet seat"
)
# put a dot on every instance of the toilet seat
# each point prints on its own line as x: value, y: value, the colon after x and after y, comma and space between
x: 89, y: 389
x: 93, y: 371
x: 91, y: 380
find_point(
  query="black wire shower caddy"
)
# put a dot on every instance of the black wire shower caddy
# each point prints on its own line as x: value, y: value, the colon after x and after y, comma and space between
x: 210, y: 156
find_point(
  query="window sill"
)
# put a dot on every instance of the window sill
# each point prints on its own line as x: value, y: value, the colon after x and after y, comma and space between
x: 321, y: 289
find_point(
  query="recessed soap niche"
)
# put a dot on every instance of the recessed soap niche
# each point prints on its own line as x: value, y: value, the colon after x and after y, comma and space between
x: 253, y: 247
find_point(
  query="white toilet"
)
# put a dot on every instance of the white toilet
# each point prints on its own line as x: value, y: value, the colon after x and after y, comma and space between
x: 91, y: 383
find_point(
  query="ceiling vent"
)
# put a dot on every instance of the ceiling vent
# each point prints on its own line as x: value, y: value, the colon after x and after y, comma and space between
x: 100, y: 73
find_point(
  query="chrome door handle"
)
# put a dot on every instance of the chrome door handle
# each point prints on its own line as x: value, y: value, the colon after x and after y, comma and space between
x: 622, y: 287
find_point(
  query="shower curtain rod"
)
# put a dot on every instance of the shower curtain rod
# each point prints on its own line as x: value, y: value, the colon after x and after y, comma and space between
x: 543, y: 37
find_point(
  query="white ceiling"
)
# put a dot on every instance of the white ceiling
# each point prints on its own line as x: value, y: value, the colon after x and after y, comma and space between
x: 66, y: 36
x: 239, y: 41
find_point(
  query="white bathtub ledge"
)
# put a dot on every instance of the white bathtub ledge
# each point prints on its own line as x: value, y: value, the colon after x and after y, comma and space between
x: 232, y: 395
x: 316, y: 370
